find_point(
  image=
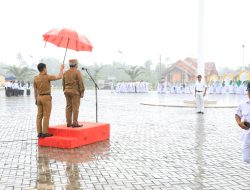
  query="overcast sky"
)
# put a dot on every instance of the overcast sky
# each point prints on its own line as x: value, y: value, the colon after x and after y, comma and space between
x: 141, y: 29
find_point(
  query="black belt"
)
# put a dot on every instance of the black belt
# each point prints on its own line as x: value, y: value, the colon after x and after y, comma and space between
x: 44, y: 94
x: 198, y: 91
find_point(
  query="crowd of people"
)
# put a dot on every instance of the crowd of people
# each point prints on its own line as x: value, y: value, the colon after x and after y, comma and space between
x: 17, y: 88
x: 163, y: 88
x: 132, y: 87
x: 218, y: 87
x: 233, y: 88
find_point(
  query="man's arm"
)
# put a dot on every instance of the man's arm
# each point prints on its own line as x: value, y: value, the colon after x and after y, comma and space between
x: 205, y: 91
x: 59, y: 76
x: 63, y: 83
x: 240, y: 123
x: 80, y: 84
x: 35, y: 91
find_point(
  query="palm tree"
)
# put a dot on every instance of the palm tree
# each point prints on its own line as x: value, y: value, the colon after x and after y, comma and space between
x: 148, y: 64
x: 134, y: 71
x: 21, y: 73
x: 97, y: 69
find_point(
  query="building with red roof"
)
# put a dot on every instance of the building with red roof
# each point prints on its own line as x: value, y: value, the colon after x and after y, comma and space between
x: 185, y: 71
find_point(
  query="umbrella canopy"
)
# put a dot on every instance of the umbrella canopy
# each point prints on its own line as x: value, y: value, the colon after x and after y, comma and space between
x: 69, y: 39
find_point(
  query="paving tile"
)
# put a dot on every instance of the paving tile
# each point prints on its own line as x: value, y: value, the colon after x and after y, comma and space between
x: 150, y: 147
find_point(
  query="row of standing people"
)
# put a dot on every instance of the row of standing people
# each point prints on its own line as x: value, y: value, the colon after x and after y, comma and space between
x: 219, y: 88
x: 132, y: 87
x: 17, y: 88
x: 163, y: 88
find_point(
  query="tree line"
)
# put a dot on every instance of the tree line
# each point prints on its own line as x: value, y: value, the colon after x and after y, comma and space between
x: 102, y: 73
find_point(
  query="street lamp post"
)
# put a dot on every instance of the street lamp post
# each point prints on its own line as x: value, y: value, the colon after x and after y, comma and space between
x: 160, y: 66
x: 120, y: 54
x: 33, y: 64
x: 243, y: 57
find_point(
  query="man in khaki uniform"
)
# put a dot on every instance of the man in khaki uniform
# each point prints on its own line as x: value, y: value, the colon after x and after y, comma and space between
x: 73, y: 89
x: 42, y: 92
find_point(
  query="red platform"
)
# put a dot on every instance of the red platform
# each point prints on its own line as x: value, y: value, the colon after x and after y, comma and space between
x: 67, y: 137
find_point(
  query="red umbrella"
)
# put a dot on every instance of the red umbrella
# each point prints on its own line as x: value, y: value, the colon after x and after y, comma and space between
x: 68, y: 39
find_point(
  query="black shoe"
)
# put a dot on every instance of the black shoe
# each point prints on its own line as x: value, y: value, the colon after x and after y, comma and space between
x: 198, y: 112
x: 202, y: 112
x: 47, y: 135
x: 69, y: 125
x: 77, y: 125
x: 40, y: 135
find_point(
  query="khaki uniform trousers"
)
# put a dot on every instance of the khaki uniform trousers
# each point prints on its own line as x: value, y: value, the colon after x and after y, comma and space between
x: 43, y: 113
x: 72, y: 107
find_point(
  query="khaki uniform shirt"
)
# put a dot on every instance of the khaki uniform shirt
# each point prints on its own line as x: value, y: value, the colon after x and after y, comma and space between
x: 42, y: 84
x: 73, y: 82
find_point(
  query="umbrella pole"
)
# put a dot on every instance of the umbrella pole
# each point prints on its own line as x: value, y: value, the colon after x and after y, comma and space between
x: 66, y: 51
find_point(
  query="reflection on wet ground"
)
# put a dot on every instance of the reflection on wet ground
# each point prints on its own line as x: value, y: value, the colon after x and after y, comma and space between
x: 200, y: 137
x: 52, y: 162
x: 82, y: 154
x: 150, y: 147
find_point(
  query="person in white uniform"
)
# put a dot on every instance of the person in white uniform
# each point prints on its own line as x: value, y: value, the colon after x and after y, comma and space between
x: 211, y: 88
x: 28, y: 88
x: 8, y: 91
x: 242, y: 117
x: 200, y: 91
x: 15, y: 88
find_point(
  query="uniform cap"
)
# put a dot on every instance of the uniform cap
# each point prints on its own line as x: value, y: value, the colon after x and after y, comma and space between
x: 73, y: 62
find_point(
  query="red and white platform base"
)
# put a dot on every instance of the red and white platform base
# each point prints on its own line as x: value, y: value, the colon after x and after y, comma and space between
x: 67, y: 137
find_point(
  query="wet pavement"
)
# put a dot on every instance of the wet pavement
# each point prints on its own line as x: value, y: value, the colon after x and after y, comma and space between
x: 149, y: 148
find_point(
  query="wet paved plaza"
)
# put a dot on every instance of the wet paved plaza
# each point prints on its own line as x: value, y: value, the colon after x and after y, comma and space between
x: 149, y: 148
